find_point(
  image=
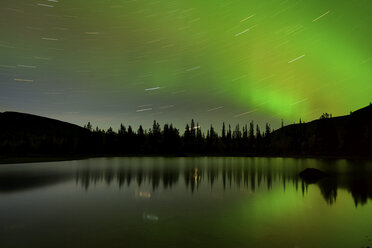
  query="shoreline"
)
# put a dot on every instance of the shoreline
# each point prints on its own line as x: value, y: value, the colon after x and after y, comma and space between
x: 41, y: 159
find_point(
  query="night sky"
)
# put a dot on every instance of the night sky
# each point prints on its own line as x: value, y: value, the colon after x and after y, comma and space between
x: 133, y: 61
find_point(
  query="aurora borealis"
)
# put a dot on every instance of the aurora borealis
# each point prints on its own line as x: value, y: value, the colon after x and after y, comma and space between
x: 133, y: 61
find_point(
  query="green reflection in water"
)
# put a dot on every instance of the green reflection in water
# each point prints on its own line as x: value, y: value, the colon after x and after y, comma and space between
x: 185, y: 202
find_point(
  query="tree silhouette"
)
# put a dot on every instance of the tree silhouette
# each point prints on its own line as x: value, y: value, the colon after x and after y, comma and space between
x: 88, y: 126
x: 223, y: 134
x: 346, y: 135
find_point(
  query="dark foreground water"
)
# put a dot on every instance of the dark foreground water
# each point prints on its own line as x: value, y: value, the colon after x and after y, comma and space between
x: 185, y: 202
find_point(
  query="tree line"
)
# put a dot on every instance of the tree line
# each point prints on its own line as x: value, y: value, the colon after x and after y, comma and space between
x: 28, y: 135
x: 169, y: 140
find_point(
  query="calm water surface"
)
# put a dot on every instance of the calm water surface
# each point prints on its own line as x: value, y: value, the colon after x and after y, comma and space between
x: 185, y: 202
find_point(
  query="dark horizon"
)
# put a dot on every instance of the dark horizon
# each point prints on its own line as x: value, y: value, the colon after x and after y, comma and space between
x: 29, y: 135
x: 147, y: 127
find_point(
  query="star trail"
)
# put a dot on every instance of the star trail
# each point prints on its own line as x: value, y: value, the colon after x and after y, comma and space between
x: 213, y: 61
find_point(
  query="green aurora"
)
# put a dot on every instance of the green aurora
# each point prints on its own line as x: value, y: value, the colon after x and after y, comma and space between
x: 134, y: 61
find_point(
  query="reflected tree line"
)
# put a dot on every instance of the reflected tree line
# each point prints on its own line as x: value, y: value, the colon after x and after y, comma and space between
x: 248, y: 177
x: 216, y: 177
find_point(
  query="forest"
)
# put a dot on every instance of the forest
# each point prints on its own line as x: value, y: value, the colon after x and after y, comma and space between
x: 30, y: 135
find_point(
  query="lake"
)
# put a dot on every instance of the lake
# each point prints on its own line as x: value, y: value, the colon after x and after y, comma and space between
x: 185, y: 202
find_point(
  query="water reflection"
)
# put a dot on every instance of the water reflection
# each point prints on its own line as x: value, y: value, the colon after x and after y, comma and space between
x: 251, y: 177
x: 12, y: 182
x: 217, y: 173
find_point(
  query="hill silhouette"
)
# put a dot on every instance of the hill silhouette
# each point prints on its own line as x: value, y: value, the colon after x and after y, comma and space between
x: 25, y: 135
x: 343, y: 135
